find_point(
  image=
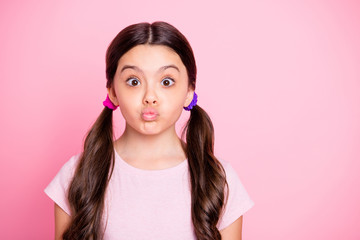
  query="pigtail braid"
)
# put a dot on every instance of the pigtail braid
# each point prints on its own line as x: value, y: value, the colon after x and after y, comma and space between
x: 207, y: 175
x: 87, y: 189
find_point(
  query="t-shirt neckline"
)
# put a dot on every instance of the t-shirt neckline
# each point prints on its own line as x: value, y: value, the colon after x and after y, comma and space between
x: 130, y: 168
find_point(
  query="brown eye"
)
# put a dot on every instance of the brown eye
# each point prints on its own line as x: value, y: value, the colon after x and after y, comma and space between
x: 167, y: 82
x: 133, y: 82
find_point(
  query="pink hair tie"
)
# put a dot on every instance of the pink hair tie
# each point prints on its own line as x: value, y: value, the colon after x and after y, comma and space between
x: 107, y: 103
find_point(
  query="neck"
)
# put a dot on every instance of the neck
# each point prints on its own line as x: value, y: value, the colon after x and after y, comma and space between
x: 163, y: 149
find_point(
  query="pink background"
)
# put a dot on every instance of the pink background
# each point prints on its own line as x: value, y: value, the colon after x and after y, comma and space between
x: 280, y: 79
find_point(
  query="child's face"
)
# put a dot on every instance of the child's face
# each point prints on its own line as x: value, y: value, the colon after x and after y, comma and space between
x: 151, y: 88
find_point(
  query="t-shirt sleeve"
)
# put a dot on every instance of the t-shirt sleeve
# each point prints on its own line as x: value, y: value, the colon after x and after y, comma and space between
x: 239, y: 200
x: 57, y: 188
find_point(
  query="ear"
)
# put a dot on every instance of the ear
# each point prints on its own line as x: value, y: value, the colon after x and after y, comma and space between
x: 112, y: 96
x: 189, y: 97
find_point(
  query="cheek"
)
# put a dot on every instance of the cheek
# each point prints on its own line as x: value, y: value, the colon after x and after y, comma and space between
x: 173, y: 105
x: 128, y: 104
x: 127, y: 96
x: 125, y: 111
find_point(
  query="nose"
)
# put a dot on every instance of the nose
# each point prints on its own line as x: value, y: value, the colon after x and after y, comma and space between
x: 150, y: 101
x: 150, y: 97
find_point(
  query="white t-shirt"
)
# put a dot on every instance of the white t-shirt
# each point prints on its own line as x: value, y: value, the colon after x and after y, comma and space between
x: 150, y: 204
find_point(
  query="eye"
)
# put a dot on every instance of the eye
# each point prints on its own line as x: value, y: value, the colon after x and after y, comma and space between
x: 133, y: 81
x: 167, y: 82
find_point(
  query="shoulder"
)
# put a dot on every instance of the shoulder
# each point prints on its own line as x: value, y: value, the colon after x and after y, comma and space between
x: 71, y: 164
x: 229, y: 170
x: 57, y: 188
x: 67, y: 171
x: 238, y: 201
x: 232, y: 176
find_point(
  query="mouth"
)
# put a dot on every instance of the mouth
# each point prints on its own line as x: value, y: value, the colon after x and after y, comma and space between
x: 149, y: 115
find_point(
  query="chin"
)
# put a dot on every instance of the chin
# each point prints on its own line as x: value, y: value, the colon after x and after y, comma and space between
x: 153, y: 128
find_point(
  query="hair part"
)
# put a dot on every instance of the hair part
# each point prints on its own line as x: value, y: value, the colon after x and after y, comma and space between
x: 87, y: 189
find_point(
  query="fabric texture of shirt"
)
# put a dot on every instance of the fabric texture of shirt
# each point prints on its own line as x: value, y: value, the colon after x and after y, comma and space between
x: 150, y: 204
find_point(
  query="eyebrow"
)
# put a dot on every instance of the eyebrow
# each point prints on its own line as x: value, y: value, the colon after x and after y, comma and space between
x: 137, y: 69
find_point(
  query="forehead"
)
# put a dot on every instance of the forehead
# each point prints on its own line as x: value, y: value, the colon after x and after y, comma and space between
x: 151, y: 57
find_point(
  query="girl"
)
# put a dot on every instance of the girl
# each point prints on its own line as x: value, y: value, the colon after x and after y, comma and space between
x: 149, y: 183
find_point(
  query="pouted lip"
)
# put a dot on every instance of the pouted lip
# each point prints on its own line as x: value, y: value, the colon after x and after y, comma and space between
x: 149, y: 114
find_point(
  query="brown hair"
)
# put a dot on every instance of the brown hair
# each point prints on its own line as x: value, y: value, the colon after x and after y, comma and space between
x: 87, y: 190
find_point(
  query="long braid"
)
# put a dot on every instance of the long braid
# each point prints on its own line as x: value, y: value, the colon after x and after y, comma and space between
x: 87, y: 189
x: 207, y: 176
